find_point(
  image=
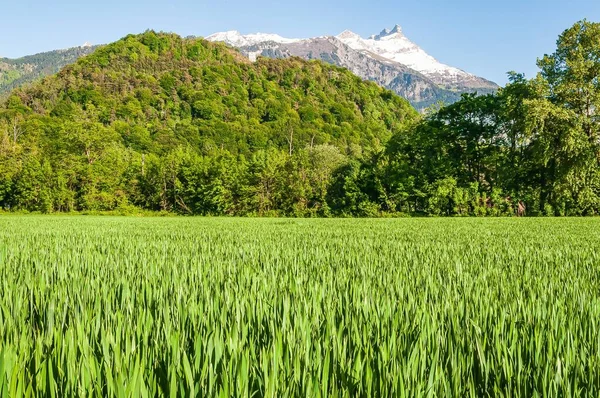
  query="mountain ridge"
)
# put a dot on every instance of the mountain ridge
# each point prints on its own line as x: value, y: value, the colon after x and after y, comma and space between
x: 15, y: 72
x: 380, y: 55
x: 407, y: 83
x: 392, y: 44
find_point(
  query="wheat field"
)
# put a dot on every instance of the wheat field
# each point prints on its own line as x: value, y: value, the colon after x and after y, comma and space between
x: 207, y: 307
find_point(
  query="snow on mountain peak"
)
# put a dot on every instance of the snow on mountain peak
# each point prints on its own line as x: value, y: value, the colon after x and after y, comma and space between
x: 352, y: 40
x: 236, y: 39
x: 396, y: 30
x: 390, y: 45
x: 348, y: 34
x: 393, y: 45
x: 232, y: 37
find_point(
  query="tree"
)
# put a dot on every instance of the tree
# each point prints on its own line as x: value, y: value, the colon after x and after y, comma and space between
x: 567, y: 122
x: 572, y: 73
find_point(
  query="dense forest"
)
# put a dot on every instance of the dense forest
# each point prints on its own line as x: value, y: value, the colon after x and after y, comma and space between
x: 158, y: 122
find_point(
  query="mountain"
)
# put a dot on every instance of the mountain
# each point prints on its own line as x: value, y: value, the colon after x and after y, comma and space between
x: 117, y: 126
x: 392, y: 44
x: 160, y: 80
x: 389, y: 58
x: 16, y: 72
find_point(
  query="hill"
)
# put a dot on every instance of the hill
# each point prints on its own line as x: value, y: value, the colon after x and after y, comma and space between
x: 20, y: 71
x: 114, y: 128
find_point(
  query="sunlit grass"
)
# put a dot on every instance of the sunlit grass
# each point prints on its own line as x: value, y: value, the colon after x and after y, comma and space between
x: 268, y: 307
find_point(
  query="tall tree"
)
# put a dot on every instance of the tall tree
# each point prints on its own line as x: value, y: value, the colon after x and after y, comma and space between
x: 573, y: 75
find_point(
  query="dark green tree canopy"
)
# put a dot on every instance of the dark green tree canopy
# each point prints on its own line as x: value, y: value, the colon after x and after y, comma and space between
x: 534, y: 145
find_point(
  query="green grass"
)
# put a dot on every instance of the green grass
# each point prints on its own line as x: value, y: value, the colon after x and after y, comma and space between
x: 107, y: 306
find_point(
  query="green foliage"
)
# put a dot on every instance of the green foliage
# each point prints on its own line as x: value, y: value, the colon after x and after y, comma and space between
x: 532, y: 148
x: 17, y: 72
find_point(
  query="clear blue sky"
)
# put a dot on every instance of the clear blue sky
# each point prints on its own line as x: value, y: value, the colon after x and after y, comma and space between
x: 485, y: 37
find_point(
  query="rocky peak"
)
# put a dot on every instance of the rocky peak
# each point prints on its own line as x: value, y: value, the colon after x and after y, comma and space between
x: 396, y: 31
x: 348, y: 34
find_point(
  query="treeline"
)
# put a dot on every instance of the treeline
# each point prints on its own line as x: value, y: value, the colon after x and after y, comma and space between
x: 157, y: 122
x: 317, y: 181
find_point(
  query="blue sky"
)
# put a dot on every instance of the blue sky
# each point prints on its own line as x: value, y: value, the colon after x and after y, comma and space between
x: 485, y: 37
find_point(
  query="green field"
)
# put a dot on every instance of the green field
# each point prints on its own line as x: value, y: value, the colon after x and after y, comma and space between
x: 93, y: 306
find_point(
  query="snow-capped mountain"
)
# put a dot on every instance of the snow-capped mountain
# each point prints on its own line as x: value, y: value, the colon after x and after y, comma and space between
x: 392, y: 44
x: 236, y: 39
x: 389, y: 59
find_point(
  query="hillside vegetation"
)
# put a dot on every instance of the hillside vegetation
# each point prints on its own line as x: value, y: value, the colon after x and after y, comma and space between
x: 17, y: 72
x: 162, y: 122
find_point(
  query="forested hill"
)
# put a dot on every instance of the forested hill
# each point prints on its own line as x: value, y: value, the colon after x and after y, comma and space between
x: 160, y: 122
x: 19, y: 71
